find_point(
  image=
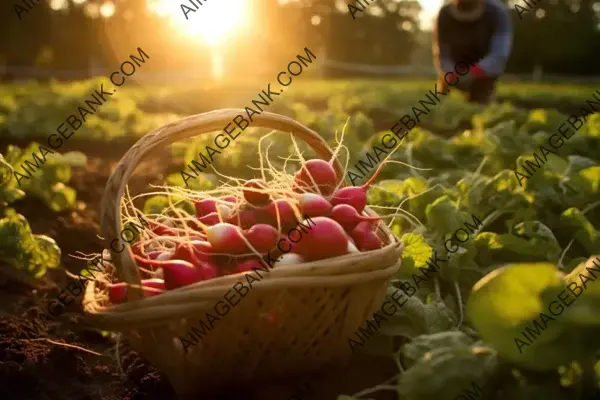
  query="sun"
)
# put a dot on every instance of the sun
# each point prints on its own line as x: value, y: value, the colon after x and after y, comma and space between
x: 213, y: 22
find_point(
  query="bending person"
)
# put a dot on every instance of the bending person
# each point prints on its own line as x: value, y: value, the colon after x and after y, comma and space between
x: 472, y: 40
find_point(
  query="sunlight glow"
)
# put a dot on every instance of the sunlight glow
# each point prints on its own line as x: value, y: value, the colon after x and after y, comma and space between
x: 107, y: 10
x: 213, y: 22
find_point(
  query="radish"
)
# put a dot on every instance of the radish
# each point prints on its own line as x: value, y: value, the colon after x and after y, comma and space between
x: 245, y: 218
x: 117, y: 292
x: 246, y: 266
x: 194, y: 252
x: 226, y: 238
x: 208, y: 270
x: 229, y: 199
x: 352, y: 248
x: 262, y: 237
x: 289, y: 259
x: 322, y: 174
x: 210, y: 219
x: 154, y: 283
x: 256, y: 197
x: 166, y: 255
x: 163, y: 231
x: 325, y: 239
x: 348, y: 217
x: 314, y: 205
x: 356, y: 196
x: 286, y: 212
x: 205, y: 207
x: 365, y: 238
x: 180, y: 273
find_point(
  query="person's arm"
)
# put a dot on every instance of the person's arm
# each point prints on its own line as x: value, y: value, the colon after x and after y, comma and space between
x: 494, y: 62
x: 441, y: 50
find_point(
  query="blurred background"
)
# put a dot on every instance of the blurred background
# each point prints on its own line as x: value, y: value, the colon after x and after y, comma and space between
x: 78, y: 39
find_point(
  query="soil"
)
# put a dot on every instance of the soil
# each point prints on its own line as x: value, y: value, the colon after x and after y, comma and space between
x: 62, y: 360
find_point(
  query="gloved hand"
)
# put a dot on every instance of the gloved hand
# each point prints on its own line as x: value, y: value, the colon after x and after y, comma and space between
x: 464, y: 82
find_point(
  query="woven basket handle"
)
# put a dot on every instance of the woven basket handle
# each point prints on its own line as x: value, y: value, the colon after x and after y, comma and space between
x: 194, y: 125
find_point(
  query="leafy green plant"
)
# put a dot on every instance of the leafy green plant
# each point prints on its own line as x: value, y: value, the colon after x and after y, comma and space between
x: 19, y: 247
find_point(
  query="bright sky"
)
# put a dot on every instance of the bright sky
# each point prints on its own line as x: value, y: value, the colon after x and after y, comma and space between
x: 430, y: 9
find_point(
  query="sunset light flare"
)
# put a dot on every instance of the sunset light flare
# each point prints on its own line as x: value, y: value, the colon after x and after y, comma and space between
x: 213, y: 22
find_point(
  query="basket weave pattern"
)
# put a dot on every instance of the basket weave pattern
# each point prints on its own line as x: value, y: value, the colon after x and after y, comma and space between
x: 317, y: 305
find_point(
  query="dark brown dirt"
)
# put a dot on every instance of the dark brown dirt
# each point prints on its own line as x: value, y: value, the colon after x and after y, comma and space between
x: 37, y: 362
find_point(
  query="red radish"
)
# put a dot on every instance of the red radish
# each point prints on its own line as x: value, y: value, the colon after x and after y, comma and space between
x: 348, y: 217
x: 226, y: 238
x: 245, y: 218
x: 203, y: 250
x: 160, y: 230
x: 210, y: 219
x: 286, y: 212
x: 255, y: 197
x: 352, y: 248
x: 166, y: 255
x: 246, y: 266
x: 325, y: 239
x: 180, y: 273
x: 151, y: 255
x: 322, y: 174
x: 356, y: 196
x: 208, y: 271
x: 314, y: 205
x: 289, y: 259
x: 230, y: 199
x: 194, y: 252
x: 117, y: 292
x: 365, y: 238
x: 153, y: 283
x: 205, y: 207
x: 262, y: 237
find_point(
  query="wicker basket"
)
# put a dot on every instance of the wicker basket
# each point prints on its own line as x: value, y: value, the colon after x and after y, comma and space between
x: 319, y: 304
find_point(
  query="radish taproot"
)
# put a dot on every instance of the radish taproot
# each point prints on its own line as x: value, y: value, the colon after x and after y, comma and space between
x: 325, y: 239
x: 365, y: 238
x: 348, y: 217
x: 255, y: 192
x: 262, y: 237
x: 227, y: 238
x: 314, y: 205
x: 322, y: 174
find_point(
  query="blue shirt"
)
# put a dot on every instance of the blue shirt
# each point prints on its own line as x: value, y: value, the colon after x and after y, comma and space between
x: 487, y: 41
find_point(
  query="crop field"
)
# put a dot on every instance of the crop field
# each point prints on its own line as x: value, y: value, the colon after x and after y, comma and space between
x: 497, y: 207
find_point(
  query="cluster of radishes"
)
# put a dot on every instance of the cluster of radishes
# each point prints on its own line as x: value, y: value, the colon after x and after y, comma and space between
x: 232, y: 235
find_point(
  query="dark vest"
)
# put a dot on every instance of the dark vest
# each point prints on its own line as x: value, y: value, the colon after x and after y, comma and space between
x: 468, y: 40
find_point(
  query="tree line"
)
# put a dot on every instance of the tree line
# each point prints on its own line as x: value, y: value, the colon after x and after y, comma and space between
x: 68, y: 43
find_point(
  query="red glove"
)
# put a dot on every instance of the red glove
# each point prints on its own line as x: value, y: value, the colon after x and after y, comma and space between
x: 477, y: 72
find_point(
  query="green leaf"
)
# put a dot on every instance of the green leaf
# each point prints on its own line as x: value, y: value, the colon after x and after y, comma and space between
x: 579, y: 226
x: 415, y: 254
x: 508, y: 300
x: 447, y: 372
x: 419, y: 346
x: 539, y: 236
